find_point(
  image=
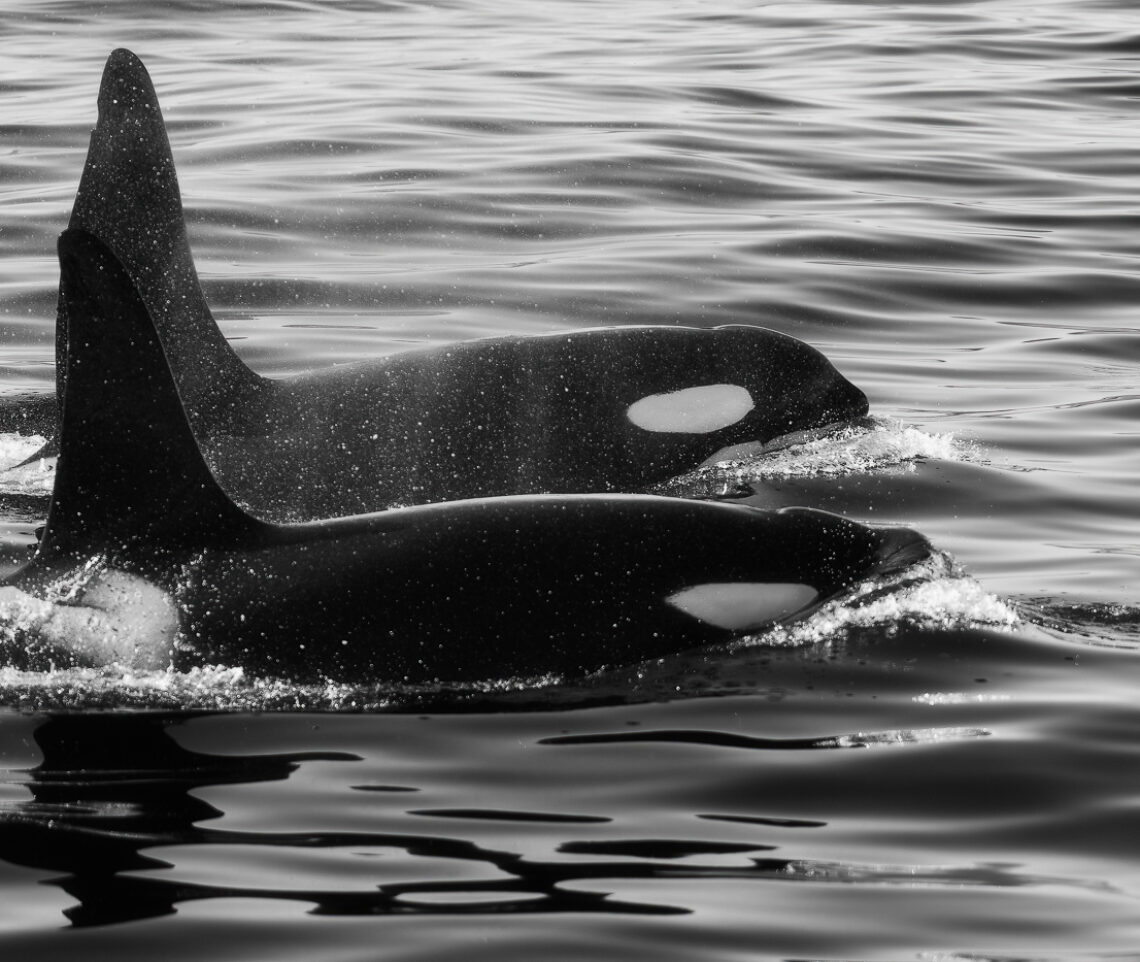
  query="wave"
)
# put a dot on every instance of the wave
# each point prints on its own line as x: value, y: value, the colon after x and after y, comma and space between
x: 18, y: 478
x: 1109, y: 625
x: 862, y: 447
x: 934, y: 594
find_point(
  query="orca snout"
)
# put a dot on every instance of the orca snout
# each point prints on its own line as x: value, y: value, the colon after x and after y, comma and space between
x: 900, y: 549
x: 843, y: 401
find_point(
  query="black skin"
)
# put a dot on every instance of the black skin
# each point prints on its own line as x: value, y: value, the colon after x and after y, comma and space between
x: 514, y: 415
x: 465, y: 590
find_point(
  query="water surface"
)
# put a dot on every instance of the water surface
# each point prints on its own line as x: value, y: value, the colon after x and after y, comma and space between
x: 941, y: 197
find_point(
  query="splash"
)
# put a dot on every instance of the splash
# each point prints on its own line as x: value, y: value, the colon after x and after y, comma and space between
x: 933, y: 594
x: 871, y: 445
x: 861, y: 447
x: 34, y: 478
x: 208, y: 688
x: 1110, y: 625
x: 23, y: 617
x: 225, y: 688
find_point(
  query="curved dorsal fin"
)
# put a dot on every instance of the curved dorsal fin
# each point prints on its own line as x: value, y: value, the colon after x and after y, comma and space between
x: 128, y: 197
x: 131, y: 480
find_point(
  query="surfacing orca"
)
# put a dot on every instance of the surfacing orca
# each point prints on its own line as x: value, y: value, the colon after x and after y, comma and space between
x: 145, y: 560
x: 589, y: 411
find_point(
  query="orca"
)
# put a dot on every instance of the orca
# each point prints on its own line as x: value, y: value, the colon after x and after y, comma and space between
x: 602, y: 410
x: 147, y: 562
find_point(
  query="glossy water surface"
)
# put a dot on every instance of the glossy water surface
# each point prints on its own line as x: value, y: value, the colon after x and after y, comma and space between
x: 940, y: 196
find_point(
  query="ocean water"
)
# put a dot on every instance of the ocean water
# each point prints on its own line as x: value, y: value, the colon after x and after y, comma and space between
x: 943, y: 197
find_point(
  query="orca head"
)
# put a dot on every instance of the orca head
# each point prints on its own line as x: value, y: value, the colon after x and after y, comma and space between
x: 796, y: 386
x: 739, y: 384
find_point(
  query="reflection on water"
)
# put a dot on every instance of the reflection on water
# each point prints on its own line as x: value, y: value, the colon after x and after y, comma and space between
x: 744, y: 815
x: 118, y: 806
x: 114, y: 793
x: 109, y: 787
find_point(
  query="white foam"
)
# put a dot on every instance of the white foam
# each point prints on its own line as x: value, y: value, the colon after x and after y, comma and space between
x: 211, y: 687
x: 933, y: 594
x: 34, y: 478
x: 852, y: 449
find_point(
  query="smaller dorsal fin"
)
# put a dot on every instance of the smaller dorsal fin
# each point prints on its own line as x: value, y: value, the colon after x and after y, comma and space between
x: 131, y: 480
x: 128, y: 197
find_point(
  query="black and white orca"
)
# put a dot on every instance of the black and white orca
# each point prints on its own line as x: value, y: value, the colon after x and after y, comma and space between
x: 618, y: 409
x: 147, y: 561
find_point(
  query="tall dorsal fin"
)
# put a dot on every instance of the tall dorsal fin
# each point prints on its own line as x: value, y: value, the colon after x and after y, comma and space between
x: 131, y: 480
x: 128, y: 197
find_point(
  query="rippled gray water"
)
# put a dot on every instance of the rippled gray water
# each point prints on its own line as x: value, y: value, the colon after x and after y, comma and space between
x: 940, y: 196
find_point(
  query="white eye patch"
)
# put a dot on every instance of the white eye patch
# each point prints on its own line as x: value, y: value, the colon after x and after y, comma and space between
x: 692, y: 410
x: 738, y: 607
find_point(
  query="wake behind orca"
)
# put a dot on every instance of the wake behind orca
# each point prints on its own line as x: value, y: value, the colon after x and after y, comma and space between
x: 589, y: 411
x: 146, y: 561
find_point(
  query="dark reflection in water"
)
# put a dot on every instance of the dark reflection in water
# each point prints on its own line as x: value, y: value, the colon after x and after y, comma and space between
x: 723, y: 739
x: 111, y: 786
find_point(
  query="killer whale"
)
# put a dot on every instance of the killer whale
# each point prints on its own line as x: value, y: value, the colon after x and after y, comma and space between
x: 588, y: 411
x: 146, y: 560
